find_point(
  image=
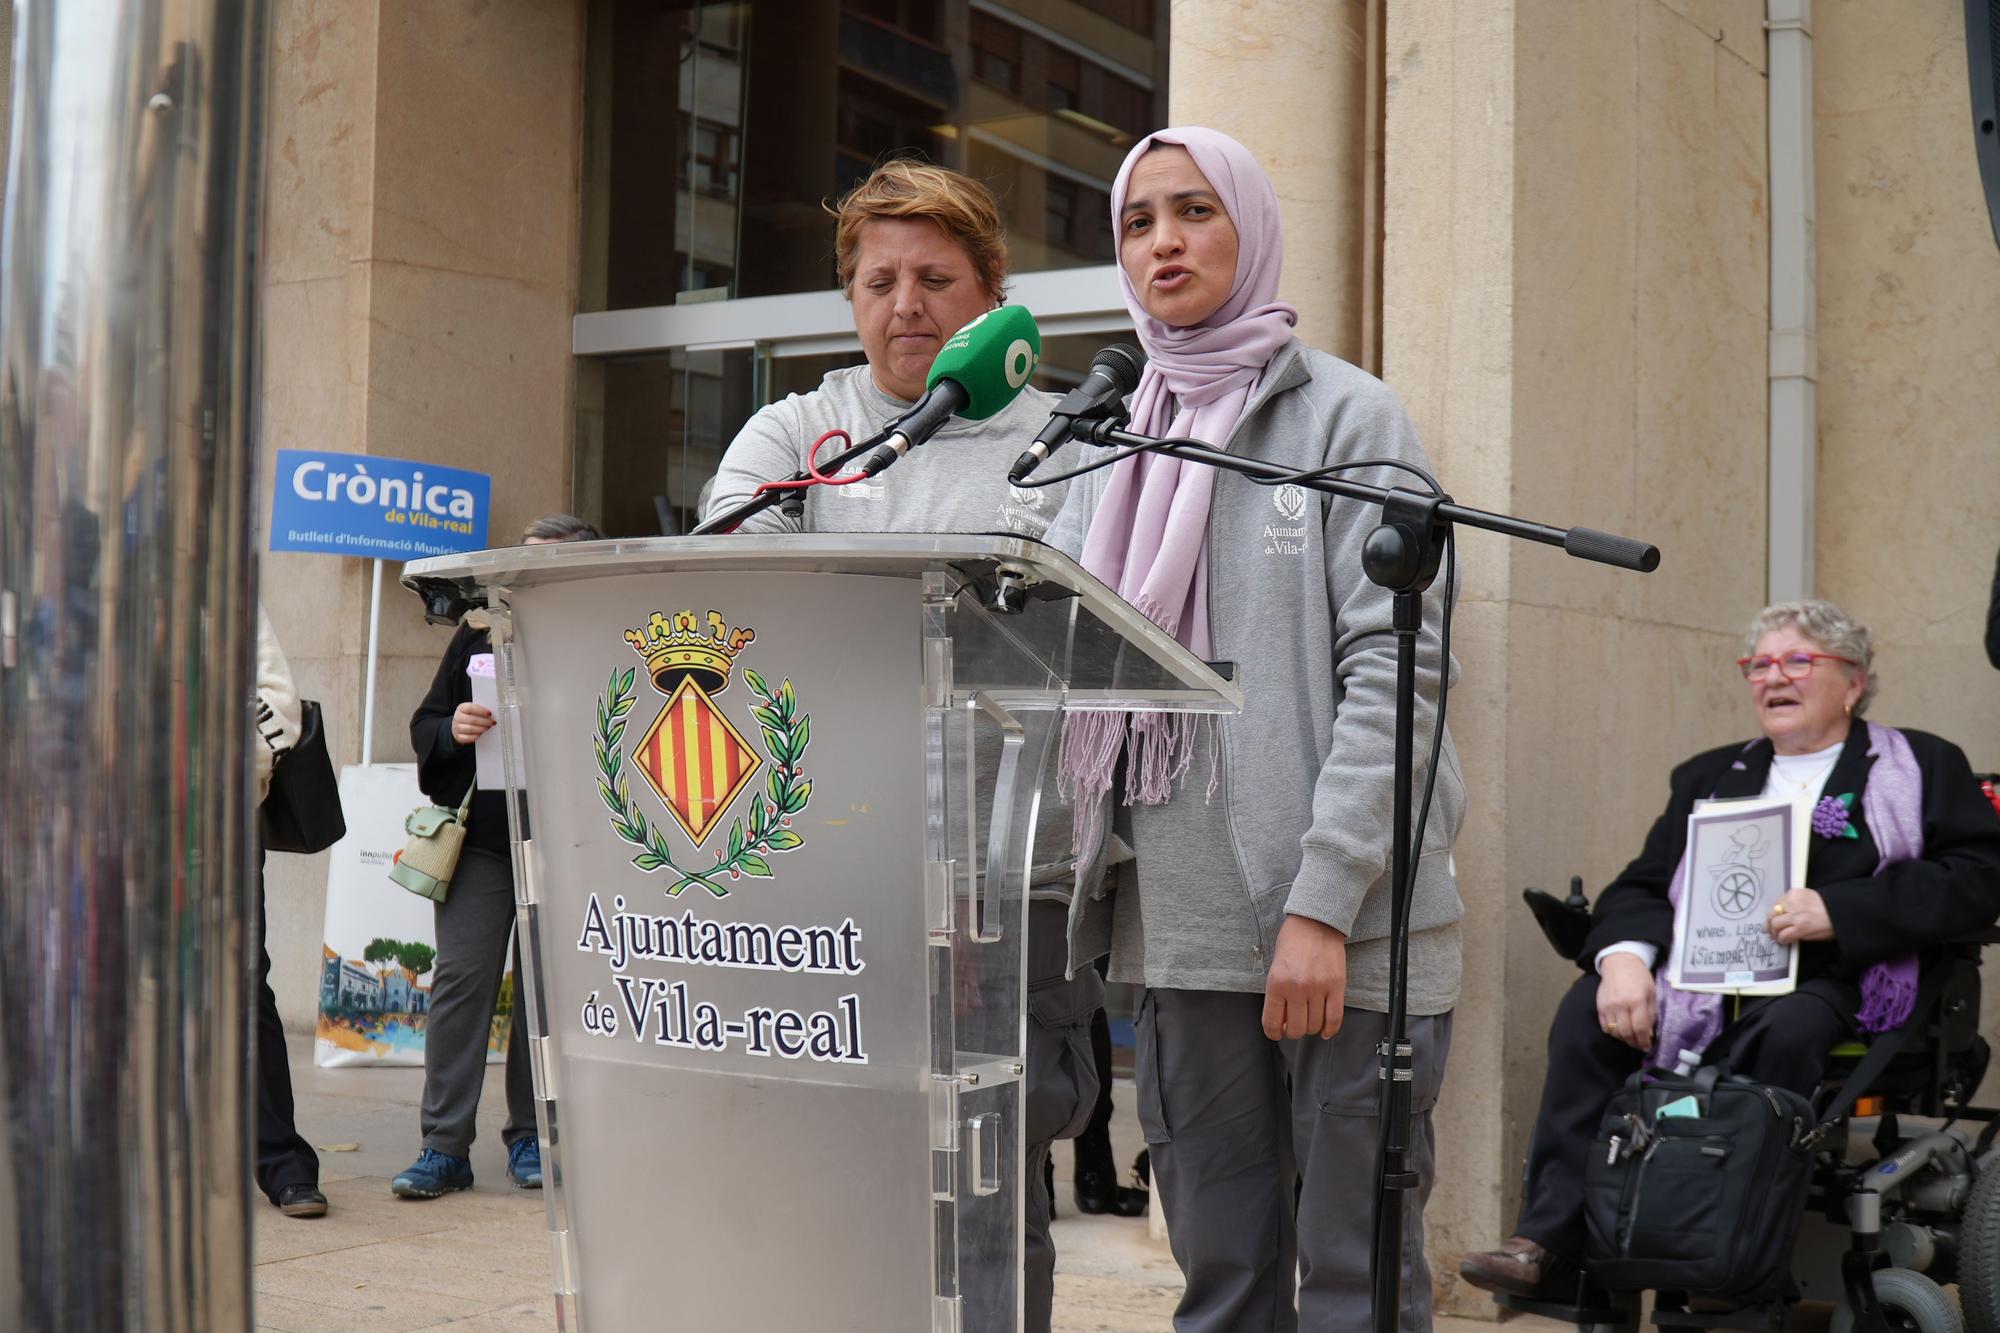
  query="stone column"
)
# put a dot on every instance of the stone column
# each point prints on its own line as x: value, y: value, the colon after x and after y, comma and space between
x: 1574, y: 312
x: 420, y: 273
x: 1909, y: 288
x: 1288, y: 79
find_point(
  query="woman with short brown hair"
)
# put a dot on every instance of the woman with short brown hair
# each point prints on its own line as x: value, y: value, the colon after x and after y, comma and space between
x: 921, y: 253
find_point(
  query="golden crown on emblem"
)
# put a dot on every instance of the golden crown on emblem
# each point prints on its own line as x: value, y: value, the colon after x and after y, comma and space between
x: 679, y: 648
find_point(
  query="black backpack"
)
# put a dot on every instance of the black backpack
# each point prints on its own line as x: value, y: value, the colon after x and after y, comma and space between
x: 1707, y: 1202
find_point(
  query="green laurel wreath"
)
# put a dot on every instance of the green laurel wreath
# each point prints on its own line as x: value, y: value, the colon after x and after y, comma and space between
x: 787, y: 732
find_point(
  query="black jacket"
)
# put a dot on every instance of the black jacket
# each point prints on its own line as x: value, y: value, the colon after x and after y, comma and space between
x: 1993, y: 619
x: 1914, y: 905
x: 445, y: 769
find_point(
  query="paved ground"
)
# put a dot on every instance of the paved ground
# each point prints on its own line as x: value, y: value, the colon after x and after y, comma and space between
x: 480, y: 1260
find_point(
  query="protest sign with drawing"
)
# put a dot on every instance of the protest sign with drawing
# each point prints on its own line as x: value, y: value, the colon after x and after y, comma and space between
x: 1742, y: 857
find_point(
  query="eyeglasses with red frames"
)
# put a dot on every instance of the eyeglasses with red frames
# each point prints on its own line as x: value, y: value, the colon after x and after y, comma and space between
x: 1794, y: 666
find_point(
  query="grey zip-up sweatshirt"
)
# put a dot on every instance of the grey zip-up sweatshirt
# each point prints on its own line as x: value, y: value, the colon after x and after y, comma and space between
x: 1307, y: 768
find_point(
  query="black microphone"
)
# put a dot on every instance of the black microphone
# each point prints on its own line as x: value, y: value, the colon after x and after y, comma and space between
x: 979, y: 371
x: 925, y: 418
x: 1114, y: 372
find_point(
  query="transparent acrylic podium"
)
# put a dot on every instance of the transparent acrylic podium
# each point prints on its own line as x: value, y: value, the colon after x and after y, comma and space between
x: 780, y: 801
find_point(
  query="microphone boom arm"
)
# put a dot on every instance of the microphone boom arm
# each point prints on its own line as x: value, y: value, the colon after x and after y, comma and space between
x: 1583, y: 543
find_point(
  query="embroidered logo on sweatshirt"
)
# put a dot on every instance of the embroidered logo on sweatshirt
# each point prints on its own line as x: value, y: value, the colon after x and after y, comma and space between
x: 1290, y: 501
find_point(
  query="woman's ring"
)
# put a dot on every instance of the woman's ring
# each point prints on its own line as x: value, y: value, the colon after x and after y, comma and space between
x: 1779, y: 910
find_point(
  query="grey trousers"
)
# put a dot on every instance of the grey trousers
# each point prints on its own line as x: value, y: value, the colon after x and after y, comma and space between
x: 1061, y: 1091
x: 1264, y: 1156
x: 475, y: 922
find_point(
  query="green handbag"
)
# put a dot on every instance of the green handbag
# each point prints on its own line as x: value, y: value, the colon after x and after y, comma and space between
x: 437, y: 835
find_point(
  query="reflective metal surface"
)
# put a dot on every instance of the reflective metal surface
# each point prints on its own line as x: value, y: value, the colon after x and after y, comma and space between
x: 126, y: 624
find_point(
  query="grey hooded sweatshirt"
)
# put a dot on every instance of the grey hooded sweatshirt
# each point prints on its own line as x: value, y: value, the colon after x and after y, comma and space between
x: 1303, y: 803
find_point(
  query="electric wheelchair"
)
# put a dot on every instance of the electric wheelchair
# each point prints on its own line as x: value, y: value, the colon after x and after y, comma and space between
x: 1905, y: 1189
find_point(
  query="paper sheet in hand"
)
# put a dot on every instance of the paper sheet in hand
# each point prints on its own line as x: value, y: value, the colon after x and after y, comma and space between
x: 486, y: 750
x: 1742, y: 857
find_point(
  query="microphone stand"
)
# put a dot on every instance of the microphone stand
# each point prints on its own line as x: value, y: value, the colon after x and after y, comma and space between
x: 793, y: 498
x: 1402, y: 555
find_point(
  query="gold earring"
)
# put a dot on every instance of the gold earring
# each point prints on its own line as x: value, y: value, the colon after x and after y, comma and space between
x: 1848, y: 709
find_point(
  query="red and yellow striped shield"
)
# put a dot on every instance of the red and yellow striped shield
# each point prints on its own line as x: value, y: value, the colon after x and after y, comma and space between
x: 695, y: 760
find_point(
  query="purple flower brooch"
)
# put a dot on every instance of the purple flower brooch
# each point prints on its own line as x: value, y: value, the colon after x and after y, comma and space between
x: 1833, y: 817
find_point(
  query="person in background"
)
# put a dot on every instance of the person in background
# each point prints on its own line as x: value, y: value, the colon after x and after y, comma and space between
x: 1256, y: 910
x: 1905, y: 853
x: 475, y: 927
x: 920, y: 252
x: 1095, y: 1178
x: 287, y: 1167
x: 1993, y: 620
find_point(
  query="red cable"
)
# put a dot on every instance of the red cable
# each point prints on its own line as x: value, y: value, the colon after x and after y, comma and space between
x: 818, y: 478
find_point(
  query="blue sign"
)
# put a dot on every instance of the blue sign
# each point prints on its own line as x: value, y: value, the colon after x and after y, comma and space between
x: 385, y: 508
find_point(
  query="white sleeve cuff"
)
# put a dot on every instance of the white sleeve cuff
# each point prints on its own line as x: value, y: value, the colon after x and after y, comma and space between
x: 1649, y: 954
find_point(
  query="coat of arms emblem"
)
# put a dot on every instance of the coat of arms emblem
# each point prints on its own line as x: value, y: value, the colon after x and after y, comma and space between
x: 1290, y: 501
x: 695, y: 760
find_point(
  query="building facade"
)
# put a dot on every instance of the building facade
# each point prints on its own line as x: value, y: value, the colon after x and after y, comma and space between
x: 574, y: 243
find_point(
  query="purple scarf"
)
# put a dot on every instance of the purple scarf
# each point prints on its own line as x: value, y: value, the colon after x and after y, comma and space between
x: 1148, y: 536
x: 1892, y: 802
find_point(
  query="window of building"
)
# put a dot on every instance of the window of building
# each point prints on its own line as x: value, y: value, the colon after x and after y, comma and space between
x: 1062, y: 207
x: 1134, y: 14
x: 996, y: 52
x: 713, y: 162
x: 716, y: 132
x: 922, y: 19
x: 1118, y: 102
x: 1064, y: 78
x: 876, y: 121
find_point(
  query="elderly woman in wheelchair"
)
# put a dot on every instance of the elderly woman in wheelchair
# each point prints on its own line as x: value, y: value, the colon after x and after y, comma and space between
x: 1905, y: 855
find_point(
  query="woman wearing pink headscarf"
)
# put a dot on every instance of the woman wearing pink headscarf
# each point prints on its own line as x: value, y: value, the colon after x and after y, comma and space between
x: 1255, y: 910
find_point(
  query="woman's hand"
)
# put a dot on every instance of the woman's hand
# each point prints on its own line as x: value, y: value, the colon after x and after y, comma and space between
x: 1305, y: 991
x: 1626, y: 1000
x: 469, y: 722
x: 1799, y: 916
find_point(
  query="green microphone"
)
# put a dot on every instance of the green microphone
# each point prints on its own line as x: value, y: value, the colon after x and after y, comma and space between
x: 979, y: 370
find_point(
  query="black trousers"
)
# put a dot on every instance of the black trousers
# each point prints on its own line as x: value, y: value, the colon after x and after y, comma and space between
x: 1093, y: 1146
x: 283, y: 1157
x: 1783, y: 1040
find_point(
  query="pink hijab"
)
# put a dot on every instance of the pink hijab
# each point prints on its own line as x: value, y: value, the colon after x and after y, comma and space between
x: 1148, y: 538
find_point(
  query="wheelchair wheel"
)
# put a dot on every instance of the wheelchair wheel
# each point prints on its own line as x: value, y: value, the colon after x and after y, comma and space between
x: 1979, y: 1252
x: 1910, y: 1301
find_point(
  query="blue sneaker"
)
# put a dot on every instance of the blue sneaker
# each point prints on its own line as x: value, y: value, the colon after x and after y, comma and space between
x: 433, y: 1174
x: 524, y: 1162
